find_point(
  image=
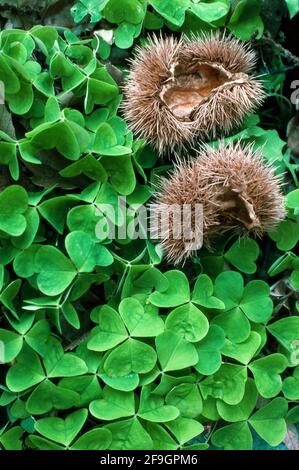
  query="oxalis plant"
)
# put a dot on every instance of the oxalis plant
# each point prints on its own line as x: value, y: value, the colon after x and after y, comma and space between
x: 104, y: 343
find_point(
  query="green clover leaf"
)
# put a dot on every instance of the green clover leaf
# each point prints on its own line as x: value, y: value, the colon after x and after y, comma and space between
x: 243, y: 410
x: 152, y: 407
x: 185, y: 429
x: 26, y: 372
x: 47, y: 396
x: 243, y: 352
x: 188, y: 322
x: 113, y: 404
x: 227, y: 384
x: 233, y: 437
x: 110, y: 332
x: 140, y: 321
x: 96, y: 439
x: 209, y: 351
x: 60, y: 430
x: 187, y: 399
x: 59, y: 364
x: 13, y: 205
x: 131, y: 357
x: 290, y: 386
x: 55, y: 270
x: 269, y: 421
x: 203, y: 293
x: 174, y: 352
x: 85, y: 253
x: 286, y: 331
x: 129, y: 434
x: 266, y: 372
x: 243, y: 255
x: 176, y: 294
x: 251, y: 302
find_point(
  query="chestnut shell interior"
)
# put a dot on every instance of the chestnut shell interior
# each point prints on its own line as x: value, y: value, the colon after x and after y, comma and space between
x: 189, y: 86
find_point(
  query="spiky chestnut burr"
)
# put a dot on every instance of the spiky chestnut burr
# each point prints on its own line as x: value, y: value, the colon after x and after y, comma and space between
x: 182, y: 90
x: 238, y: 191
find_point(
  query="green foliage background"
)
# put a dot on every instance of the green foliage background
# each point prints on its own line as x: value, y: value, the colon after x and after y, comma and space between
x: 107, y: 346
